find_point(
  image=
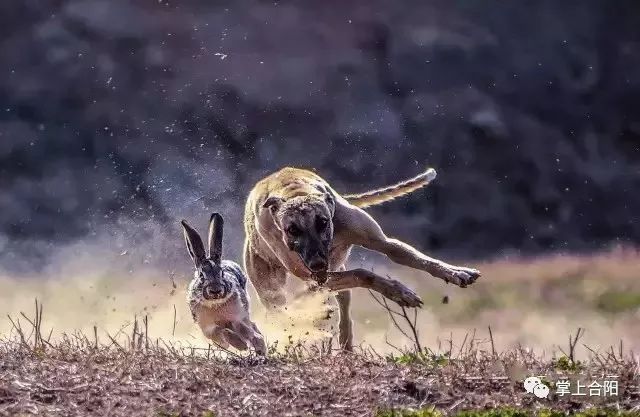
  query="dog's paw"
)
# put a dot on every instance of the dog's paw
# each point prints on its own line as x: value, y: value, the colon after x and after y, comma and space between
x: 403, y: 295
x: 461, y: 276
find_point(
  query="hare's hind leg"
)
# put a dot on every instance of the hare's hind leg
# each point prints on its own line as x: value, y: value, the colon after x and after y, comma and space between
x: 249, y: 331
x: 223, y: 337
x: 258, y: 339
x: 214, y: 333
x: 236, y: 340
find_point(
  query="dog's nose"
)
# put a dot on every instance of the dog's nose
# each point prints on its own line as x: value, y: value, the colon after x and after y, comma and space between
x: 318, y: 265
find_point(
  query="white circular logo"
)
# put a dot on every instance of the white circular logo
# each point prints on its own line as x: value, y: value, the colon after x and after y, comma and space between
x: 530, y: 383
x: 533, y: 385
x: 541, y: 391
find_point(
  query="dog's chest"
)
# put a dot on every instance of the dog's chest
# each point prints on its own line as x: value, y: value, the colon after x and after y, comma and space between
x: 339, y: 250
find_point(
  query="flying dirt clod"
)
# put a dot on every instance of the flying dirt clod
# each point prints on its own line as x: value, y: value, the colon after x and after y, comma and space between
x: 217, y: 295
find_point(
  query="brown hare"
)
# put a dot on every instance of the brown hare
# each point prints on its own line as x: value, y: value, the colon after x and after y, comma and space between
x: 217, y: 295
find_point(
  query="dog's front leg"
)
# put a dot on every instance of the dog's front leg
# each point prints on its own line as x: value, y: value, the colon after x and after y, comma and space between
x: 268, y: 279
x: 361, y: 278
x: 362, y: 230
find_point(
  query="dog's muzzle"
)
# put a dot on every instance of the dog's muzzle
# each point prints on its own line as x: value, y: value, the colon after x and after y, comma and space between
x: 318, y: 264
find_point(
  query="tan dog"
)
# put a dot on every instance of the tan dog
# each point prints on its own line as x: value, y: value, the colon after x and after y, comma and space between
x: 295, y: 222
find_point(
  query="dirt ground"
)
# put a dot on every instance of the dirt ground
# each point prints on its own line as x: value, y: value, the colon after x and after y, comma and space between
x: 77, y: 379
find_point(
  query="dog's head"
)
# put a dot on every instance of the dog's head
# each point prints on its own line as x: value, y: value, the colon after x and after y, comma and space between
x: 306, y: 225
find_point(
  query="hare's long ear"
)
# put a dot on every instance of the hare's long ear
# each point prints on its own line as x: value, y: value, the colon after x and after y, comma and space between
x: 215, y: 238
x: 194, y: 244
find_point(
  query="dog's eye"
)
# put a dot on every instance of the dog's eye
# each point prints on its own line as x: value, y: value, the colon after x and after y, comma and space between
x: 294, y: 230
x: 321, y: 223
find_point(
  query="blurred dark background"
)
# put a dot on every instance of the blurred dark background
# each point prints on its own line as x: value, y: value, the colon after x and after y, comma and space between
x: 119, y: 114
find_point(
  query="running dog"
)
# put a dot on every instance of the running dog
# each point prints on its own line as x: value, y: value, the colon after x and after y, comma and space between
x: 296, y: 222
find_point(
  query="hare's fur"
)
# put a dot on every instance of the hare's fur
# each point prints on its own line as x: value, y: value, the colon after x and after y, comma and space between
x: 217, y: 295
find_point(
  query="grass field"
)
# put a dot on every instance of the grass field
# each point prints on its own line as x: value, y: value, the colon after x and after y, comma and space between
x: 76, y: 377
x: 123, y: 343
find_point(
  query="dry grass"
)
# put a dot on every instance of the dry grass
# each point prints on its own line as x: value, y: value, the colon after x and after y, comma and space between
x: 135, y: 375
x: 75, y: 377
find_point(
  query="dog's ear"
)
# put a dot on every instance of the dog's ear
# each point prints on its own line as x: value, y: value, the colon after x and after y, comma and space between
x: 215, y: 238
x: 194, y: 244
x: 273, y: 203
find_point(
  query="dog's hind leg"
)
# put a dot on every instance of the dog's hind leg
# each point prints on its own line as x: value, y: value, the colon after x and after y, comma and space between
x: 364, y: 231
x: 346, y: 324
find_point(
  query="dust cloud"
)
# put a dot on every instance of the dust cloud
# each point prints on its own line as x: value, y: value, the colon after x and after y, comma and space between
x: 535, y: 304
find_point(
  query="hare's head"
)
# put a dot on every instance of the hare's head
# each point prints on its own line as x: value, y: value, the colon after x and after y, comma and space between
x: 208, y: 265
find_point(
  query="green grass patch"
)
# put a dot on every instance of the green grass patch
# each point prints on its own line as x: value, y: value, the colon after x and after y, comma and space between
x: 500, y: 412
x: 563, y: 363
x: 505, y: 412
x: 426, y: 357
x: 430, y: 412
x: 618, y: 301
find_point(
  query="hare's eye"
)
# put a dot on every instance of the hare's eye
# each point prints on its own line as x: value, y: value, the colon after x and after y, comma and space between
x: 294, y: 230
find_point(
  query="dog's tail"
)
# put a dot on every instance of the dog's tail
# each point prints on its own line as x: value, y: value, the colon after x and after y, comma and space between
x: 382, y: 195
